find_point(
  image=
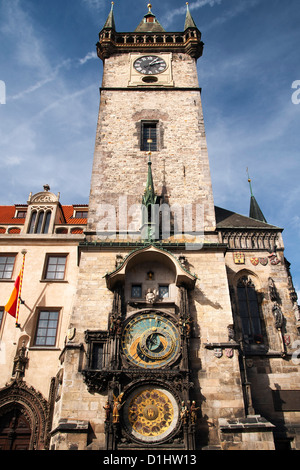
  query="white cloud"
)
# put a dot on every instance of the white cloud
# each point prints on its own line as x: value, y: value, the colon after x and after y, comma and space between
x: 232, y: 13
x: 40, y: 83
x: 89, y: 56
x: 94, y: 4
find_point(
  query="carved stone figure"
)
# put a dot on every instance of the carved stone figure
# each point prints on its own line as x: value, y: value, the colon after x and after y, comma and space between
x: 107, y: 409
x: 151, y: 296
x: 184, y: 413
x: 278, y: 316
x: 116, y: 409
x: 20, y: 362
x: 273, y: 290
x: 193, y: 412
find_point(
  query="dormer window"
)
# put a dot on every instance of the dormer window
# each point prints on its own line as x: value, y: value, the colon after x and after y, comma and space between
x: 21, y: 214
x: 81, y: 214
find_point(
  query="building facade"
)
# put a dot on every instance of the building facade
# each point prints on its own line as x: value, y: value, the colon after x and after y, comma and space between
x: 149, y: 319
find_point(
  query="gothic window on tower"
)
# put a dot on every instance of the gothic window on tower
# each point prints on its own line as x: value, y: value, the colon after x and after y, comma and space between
x: 97, y: 349
x: 97, y: 359
x: 149, y: 141
x: 249, y: 311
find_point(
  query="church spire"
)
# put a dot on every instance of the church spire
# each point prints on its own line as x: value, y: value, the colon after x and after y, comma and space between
x: 110, y: 22
x: 189, y: 22
x: 255, y: 210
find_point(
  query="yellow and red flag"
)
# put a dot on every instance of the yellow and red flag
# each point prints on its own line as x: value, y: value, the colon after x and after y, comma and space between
x: 12, y: 305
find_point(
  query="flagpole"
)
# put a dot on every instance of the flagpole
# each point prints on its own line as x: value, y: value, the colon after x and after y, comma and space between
x: 20, y: 289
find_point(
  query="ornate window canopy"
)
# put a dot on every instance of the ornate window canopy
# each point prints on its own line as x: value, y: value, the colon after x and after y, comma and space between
x: 151, y: 253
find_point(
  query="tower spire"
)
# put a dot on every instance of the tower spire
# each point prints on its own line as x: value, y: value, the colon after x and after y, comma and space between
x: 189, y: 22
x: 110, y: 22
x: 255, y: 210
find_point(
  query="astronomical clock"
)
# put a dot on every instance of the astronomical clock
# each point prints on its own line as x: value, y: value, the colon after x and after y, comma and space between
x: 150, y: 341
x: 141, y: 362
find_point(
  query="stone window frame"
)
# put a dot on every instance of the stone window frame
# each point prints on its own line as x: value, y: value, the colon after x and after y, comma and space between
x: 38, y: 313
x: 153, y: 147
x: 2, y: 311
x: 140, y: 285
x: 48, y: 256
x: 39, y: 222
x: 8, y: 255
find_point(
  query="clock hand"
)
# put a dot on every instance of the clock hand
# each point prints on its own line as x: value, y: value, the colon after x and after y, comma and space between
x: 156, y: 61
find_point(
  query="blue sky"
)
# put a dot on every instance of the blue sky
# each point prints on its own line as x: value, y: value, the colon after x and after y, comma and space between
x: 251, y: 60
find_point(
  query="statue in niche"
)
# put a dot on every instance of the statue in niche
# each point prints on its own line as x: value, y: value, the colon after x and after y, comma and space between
x: 272, y: 290
x: 278, y: 316
x: 107, y: 409
x: 20, y: 362
x: 193, y: 412
x: 184, y: 413
x: 230, y: 329
x: 116, y: 408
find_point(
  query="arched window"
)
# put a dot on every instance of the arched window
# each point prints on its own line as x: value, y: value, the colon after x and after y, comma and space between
x: 39, y: 222
x: 47, y: 222
x: 249, y: 310
x: 32, y: 222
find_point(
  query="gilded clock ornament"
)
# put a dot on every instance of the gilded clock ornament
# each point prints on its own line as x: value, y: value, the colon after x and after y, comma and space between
x: 150, y: 341
x: 150, y: 65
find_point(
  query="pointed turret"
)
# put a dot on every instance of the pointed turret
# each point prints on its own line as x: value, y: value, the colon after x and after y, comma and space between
x: 255, y: 210
x: 150, y: 223
x: 189, y: 22
x: 110, y: 22
x: 149, y: 23
x: 149, y: 196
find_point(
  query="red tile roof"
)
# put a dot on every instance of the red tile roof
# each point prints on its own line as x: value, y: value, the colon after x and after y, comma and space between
x: 7, y: 216
x: 68, y: 212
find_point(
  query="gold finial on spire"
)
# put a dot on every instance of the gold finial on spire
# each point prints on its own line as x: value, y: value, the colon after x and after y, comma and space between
x: 149, y: 6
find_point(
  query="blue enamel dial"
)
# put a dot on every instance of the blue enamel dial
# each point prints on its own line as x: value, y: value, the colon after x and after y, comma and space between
x: 150, y: 340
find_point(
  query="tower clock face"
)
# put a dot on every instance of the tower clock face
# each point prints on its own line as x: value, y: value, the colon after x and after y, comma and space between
x: 150, y: 65
x: 150, y: 341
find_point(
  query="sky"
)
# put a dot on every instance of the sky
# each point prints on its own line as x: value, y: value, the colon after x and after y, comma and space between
x: 249, y: 75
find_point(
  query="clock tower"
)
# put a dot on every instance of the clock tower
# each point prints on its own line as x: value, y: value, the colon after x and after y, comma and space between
x: 152, y: 309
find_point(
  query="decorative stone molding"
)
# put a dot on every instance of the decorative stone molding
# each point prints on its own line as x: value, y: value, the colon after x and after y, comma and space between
x: 36, y: 410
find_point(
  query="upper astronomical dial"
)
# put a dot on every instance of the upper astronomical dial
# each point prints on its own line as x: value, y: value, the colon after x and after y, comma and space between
x: 150, y: 341
x: 150, y: 65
